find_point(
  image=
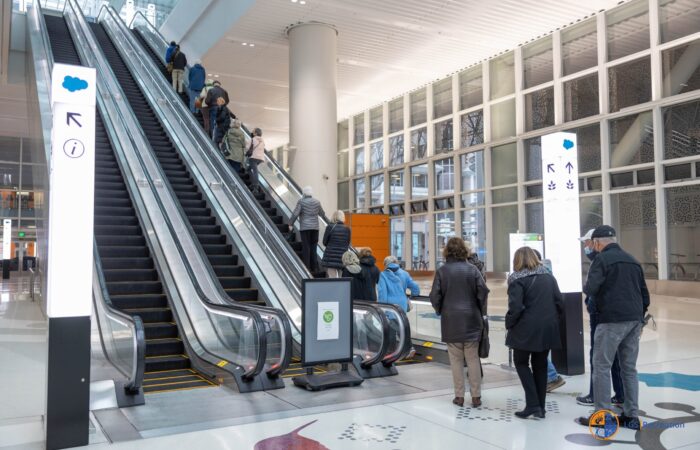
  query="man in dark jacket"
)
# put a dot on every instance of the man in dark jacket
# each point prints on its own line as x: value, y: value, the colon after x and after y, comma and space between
x: 195, y: 80
x: 216, y: 99
x: 621, y: 299
x: 179, y: 61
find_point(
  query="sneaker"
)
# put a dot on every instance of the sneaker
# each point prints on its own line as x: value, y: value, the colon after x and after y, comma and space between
x: 632, y: 423
x: 585, y: 400
x: 617, y: 401
x: 556, y: 383
x: 411, y: 353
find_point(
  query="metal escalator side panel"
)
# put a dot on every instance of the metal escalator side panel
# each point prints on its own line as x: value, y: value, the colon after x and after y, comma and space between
x: 161, y: 245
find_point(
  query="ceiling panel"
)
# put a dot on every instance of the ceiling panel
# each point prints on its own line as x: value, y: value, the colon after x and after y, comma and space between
x: 385, y: 48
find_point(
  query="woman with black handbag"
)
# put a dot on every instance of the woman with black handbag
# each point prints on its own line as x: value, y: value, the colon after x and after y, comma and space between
x: 534, y: 306
x: 460, y: 296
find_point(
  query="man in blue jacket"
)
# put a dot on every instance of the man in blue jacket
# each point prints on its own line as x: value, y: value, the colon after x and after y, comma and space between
x: 394, y: 282
x: 195, y: 79
x: 621, y: 299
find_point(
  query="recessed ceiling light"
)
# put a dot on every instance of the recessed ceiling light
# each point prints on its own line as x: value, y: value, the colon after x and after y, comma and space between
x: 244, y: 43
x: 294, y: 1
x: 302, y: 2
x: 216, y: 76
x: 252, y: 45
x: 209, y: 74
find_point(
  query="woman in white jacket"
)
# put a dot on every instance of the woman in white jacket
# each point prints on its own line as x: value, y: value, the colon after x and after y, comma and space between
x: 256, y: 155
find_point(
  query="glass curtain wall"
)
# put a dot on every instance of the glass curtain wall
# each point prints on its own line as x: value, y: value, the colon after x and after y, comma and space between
x: 637, y: 120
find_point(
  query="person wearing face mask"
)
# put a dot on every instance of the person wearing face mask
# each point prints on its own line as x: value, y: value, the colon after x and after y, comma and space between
x: 587, y: 400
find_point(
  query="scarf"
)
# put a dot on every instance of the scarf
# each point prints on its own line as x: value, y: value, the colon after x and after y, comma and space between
x: 539, y: 270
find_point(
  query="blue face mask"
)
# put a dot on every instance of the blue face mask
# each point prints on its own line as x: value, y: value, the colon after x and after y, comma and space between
x: 590, y: 253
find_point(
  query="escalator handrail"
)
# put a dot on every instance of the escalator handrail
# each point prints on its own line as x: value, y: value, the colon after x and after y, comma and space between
x: 405, y: 327
x: 381, y: 353
x: 135, y: 378
x: 280, y: 250
x: 266, y: 310
x: 211, y: 307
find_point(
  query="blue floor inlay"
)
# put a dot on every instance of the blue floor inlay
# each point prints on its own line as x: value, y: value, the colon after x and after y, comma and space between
x: 671, y: 380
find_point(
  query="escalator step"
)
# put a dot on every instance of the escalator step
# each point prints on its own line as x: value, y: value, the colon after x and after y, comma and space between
x: 139, y: 301
x: 125, y: 240
x: 206, y: 229
x: 130, y: 287
x: 167, y: 362
x: 219, y: 249
x: 208, y: 239
x: 114, y: 211
x: 166, y: 346
x: 235, y: 282
x: 223, y: 260
x: 124, y: 230
x: 120, y: 220
x: 174, y: 385
x: 242, y: 295
x: 160, y: 330
x: 123, y: 252
x: 116, y: 275
x: 151, y: 315
x: 229, y: 271
x: 125, y: 263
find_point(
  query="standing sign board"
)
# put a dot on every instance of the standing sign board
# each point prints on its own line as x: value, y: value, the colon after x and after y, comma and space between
x: 532, y: 240
x: 70, y: 258
x: 561, y: 208
x: 561, y: 231
x: 327, y: 332
x: 326, y: 321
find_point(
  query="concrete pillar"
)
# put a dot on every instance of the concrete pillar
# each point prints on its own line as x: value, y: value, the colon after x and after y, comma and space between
x: 312, y: 109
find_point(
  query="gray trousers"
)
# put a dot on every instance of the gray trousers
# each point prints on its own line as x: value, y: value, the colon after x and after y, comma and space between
x: 621, y: 338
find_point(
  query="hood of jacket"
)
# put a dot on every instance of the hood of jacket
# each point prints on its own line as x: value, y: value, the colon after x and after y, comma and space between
x: 539, y: 270
x: 368, y: 260
x: 351, y: 262
x: 391, y: 274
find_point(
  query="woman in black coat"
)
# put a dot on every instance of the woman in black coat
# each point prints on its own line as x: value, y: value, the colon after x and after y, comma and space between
x: 459, y: 296
x: 364, y: 274
x: 534, y: 307
x: 336, y: 239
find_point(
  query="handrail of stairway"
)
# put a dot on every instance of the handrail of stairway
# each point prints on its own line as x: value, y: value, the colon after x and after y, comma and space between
x: 125, y: 37
x: 43, y: 64
x: 136, y: 139
x: 381, y: 353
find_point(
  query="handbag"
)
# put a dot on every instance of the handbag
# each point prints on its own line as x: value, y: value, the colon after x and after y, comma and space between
x: 198, y: 102
x: 484, y: 343
x: 169, y: 67
x: 249, y: 152
x: 225, y: 149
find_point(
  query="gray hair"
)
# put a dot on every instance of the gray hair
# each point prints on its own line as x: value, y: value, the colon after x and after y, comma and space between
x: 391, y: 259
x: 236, y: 123
x: 606, y: 240
x: 308, y: 190
x: 338, y: 216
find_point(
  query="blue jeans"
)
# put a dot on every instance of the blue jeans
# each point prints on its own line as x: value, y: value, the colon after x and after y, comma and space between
x: 236, y: 166
x: 193, y: 96
x: 615, y: 369
x: 253, y: 166
x: 213, y: 110
x: 551, y: 370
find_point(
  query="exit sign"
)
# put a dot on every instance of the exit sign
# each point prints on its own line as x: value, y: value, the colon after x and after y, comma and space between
x: 20, y: 234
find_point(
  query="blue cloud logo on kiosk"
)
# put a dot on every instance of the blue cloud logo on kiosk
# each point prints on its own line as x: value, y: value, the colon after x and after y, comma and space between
x: 73, y: 84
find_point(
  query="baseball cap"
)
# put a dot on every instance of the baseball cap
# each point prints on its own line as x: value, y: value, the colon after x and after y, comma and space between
x: 588, y: 236
x: 603, y: 231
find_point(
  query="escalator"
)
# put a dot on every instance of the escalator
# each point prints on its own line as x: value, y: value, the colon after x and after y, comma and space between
x: 264, y: 199
x: 132, y: 282
x: 214, y: 242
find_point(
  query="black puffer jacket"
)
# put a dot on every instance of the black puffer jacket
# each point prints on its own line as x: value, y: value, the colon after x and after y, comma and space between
x: 179, y: 60
x: 460, y: 296
x: 336, y: 238
x: 616, y: 282
x: 364, y: 282
x: 535, y: 305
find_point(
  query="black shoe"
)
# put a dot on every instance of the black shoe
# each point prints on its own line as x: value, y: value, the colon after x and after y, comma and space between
x: 619, y: 401
x: 585, y: 400
x: 632, y: 423
x: 530, y: 411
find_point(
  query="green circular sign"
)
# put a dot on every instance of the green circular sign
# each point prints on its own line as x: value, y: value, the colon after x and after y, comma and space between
x: 328, y: 317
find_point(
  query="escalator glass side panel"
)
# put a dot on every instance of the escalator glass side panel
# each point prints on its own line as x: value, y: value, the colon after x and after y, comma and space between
x: 132, y: 281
